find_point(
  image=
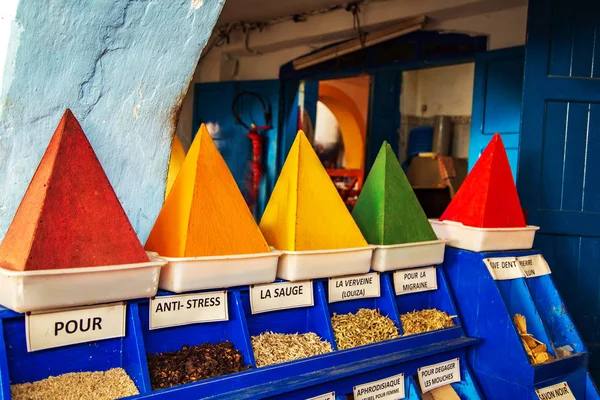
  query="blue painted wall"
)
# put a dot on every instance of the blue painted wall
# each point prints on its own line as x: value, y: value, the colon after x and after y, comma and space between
x: 123, y: 67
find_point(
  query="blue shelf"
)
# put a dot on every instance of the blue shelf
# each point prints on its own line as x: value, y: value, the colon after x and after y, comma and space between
x: 486, y: 308
x: 339, y: 368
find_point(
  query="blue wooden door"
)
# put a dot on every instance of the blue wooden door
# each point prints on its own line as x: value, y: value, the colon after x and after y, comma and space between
x: 497, y: 98
x: 559, y: 160
x: 212, y: 104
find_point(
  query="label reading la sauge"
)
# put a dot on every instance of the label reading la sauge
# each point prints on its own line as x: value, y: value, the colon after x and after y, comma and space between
x: 534, y: 265
x: 560, y: 391
x: 280, y: 296
x: 354, y: 287
x: 326, y: 396
x: 46, y: 330
x: 184, y: 309
x: 391, y: 388
x: 504, y: 268
x: 415, y: 280
x: 441, y: 374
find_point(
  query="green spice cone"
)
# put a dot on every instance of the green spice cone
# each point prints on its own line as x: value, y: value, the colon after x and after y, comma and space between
x: 387, y: 210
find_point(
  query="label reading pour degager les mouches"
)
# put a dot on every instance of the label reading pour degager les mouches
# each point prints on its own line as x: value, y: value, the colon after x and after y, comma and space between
x: 391, y: 388
x: 441, y: 374
x: 280, y: 296
x: 183, y: 309
x: 49, y: 329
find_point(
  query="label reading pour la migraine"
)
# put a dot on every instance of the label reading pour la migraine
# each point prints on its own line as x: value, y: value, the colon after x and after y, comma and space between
x: 184, y: 309
x: 280, y: 296
x: 560, y: 391
x: 441, y: 374
x: 354, y: 287
x: 415, y: 280
x: 391, y: 388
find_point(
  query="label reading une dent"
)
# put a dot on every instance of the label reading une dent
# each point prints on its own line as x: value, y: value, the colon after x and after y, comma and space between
x: 415, y: 280
x: 560, y: 391
x: 354, y: 287
x: 391, y: 388
x: 50, y: 329
x: 184, y: 309
x: 534, y: 265
x: 326, y: 396
x: 441, y: 374
x: 504, y: 268
x: 280, y: 296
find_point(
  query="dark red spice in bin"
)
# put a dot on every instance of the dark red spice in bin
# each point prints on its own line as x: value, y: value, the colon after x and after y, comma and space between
x: 194, y: 363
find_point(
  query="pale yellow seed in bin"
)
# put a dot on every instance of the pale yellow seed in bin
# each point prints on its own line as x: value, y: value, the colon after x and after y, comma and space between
x: 177, y: 157
x: 205, y: 213
x: 305, y: 211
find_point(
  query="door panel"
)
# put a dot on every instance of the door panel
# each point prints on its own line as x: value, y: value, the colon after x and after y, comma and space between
x: 559, y: 152
x: 497, y: 96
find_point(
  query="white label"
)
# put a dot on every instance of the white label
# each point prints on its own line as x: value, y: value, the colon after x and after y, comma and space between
x: 415, y: 280
x: 354, y: 287
x: 186, y: 309
x: 441, y: 374
x: 280, y: 296
x: 504, y: 268
x: 559, y: 391
x: 326, y: 396
x: 534, y: 265
x: 46, y: 330
x: 391, y: 388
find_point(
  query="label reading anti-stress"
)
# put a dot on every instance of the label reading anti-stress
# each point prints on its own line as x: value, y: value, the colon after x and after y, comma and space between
x: 184, y: 309
x: 354, y: 287
x: 46, y: 330
x: 280, y: 296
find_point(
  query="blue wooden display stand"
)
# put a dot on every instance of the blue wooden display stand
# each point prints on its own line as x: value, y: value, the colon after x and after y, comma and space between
x: 486, y: 308
x: 338, y: 371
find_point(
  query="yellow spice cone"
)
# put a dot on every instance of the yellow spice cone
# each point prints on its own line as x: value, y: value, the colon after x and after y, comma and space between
x: 205, y: 213
x: 305, y: 211
x: 177, y: 157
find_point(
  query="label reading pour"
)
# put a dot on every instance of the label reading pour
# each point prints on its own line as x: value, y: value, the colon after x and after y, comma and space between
x: 534, y: 265
x: 326, y: 396
x: 560, y: 391
x: 280, y: 296
x: 354, y: 287
x: 391, y: 388
x: 46, y: 330
x: 504, y: 268
x: 186, y: 309
x: 415, y: 280
x: 441, y: 374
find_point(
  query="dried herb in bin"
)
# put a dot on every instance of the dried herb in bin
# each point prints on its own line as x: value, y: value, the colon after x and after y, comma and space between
x: 425, y: 320
x: 276, y: 348
x: 536, y: 350
x: 365, y: 327
x: 194, y: 363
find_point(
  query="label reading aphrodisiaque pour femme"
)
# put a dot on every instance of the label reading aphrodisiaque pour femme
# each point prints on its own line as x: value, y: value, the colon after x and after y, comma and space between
x: 184, y: 309
x: 391, y: 388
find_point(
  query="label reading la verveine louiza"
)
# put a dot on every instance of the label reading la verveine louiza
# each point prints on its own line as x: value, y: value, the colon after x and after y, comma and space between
x: 326, y: 396
x: 354, y: 287
x: 441, y: 374
x: 186, y: 309
x: 504, y: 268
x: 560, y: 391
x: 534, y: 265
x: 391, y: 388
x: 46, y: 330
x: 280, y: 296
x: 415, y: 280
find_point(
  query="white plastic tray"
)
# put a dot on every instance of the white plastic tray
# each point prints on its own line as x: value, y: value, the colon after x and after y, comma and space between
x: 407, y: 255
x: 484, y: 239
x: 217, y: 272
x: 24, y: 291
x: 315, y: 264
